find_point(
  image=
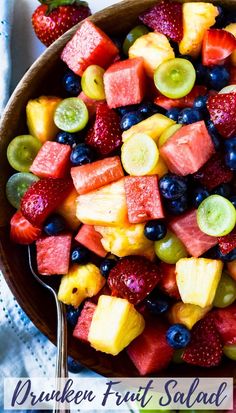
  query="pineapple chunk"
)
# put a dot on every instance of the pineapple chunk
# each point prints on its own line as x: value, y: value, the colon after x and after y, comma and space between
x: 104, y: 206
x: 231, y: 28
x: 114, y: 325
x: 153, y: 126
x: 154, y: 48
x: 197, y: 18
x: 68, y: 210
x: 187, y: 314
x: 81, y: 282
x: 129, y: 240
x: 160, y: 168
x: 197, y: 280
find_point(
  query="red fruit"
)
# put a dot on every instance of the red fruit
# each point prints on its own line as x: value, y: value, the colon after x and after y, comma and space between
x: 168, y: 282
x: 217, y: 46
x: 43, y: 197
x: 214, y: 173
x: 82, y: 327
x: 188, y: 149
x: 166, y: 17
x: 232, y: 73
x: 55, y: 17
x: 222, y: 109
x: 89, y: 46
x: 53, y: 254
x: 225, y: 321
x: 92, y: 176
x: 52, y: 161
x: 227, y: 243
x: 133, y: 278
x: 150, y: 351
x: 187, y: 230
x: 185, y: 102
x: 91, y: 239
x: 22, y: 231
x: 91, y: 104
x: 205, y: 348
x: 117, y: 81
x: 143, y: 198
x: 105, y: 135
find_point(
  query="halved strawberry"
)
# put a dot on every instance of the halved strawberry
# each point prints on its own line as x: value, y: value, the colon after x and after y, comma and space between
x: 217, y: 46
x: 222, y: 109
x: 167, y: 18
x: 213, y: 173
x: 228, y: 242
x: 105, y: 135
x: 22, y: 231
x: 168, y: 282
x: 185, y: 102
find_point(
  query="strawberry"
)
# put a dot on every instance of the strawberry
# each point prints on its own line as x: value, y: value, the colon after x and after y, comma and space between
x: 133, y: 278
x: 166, y: 18
x: 225, y: 321
x: 168, y: 282
x: 185, y: 102
x: 205, y: 348
x: 105, y: 135
x: 232, y: 74
x: 222, y: 109
x: 22, y: 231
x: 217, y: 46
x: 227, y: 243
x: 55, y: 17
x: 43, y: 197
x: 213, y: 173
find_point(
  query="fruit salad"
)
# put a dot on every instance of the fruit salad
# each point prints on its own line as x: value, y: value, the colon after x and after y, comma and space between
x: 126, y: 184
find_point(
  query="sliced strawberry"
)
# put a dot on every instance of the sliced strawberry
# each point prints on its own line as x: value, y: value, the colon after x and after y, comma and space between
x: 43, y: 197
x: 228, y: 242
x: 133, y: 278
x: 166, y: 18
x: 185, y: 102
x: 105, y: 135
x: 168, y: 282
x: 213, y: 173
x: 222, y: 109
x: 22, y: 231
x: 225, y: 321
x: 217, y: 46
x: 205, y: 348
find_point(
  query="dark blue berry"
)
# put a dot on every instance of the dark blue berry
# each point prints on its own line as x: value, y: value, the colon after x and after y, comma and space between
x: 200, y: 103
x: 82, y: 154
x: 130, y: 119
x: 123, y: 110
x: 157, y: 303
x: 106, y: 266
x: 67, y: 138
x: 173, y: 114
x: 233, y: 200
x: 198, y: 195
x: 74, y: 366
x: 220, y: 19
x: 230, y: 143
x: 177, y: 206
x: 72, y: 83
x: 189, y: 115
x: 72, y: 315
x: 223, y: 190
x: 148, y: 109
x: 230, y: 153
x: 80, y: 255
x: 178, y: 336
x: 54, y: 225
x: 216, y: 254
x: 218, y: 77
x: 172, y: 186
x: 201, y: 74
x: 155, y: 230
x: 215, y: 136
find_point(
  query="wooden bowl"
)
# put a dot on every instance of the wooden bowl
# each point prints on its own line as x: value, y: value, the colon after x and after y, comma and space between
x: 37, y: 302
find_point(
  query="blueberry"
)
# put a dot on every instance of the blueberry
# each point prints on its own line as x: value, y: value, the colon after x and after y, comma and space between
x: 74, y: 366
x: 54, y: 225
x: 72, y: 315
x: 189, y: 115
x: 71, y: 83
x: 178, y: 336
x: 215, y: 136
x: 177, y: 206
x: 82, y: 154
x: 106, y: 266
x: 80, y: 255
x: 130, y: 119
x: 148, y: 109
x: 123, y: 110
x: 198, y: 195
x: 67, y: 138
x: 233, y: 200
x: 223, y: 190
x: 216, y: 254
x: 155, y: 230
x: 218, y: 77
x: 173, y: 114
x: 172, y: 186
x: 230, y: 156
x: 201, y: 74
x: 200, y: 103
x: 220, y: 19
x: 230, y: 143
x: 157, y: 303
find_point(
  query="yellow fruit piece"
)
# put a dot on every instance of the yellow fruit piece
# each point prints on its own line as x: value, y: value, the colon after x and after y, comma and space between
x: 197, y: 18
x: 231, y: 28
x: 114, y: 325
x: 153, y: 126
x: 128, y: 240
x: 154, y: 48
x: 167, y: 134
x: 139, y: 155
x: 160, y: 168
x: 187, y: 314
x: 40, y: 113
x: 197, y: 280
x: 81, y: 282
x: 104, y: 206
x: 67, y: 209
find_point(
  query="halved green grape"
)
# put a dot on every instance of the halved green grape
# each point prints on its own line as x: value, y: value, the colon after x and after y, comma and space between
x: 216, y: 216
x: 228, y: 89
x: 17, y: 185
x: 133, y: 35
x: 226, y: 291
x: 92, y: 82
x: 167, y: 134
x: 177, y: 356
x: 71, y: 115
x: 175, y: 78
x: 229, y: 351
x: 170, y: 249
x: 21, y: 152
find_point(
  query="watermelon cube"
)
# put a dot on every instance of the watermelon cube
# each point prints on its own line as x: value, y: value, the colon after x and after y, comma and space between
x: 82, y: 327
x: 53, y: 254
x: 52, y: 161
x: 143, y: 198
x: 150, y: 351
x: 89, y: 46
x: 187, y: 230
x: 91, y: 239
x: 188, y: 149
x: 118, y: 80
x: 225, y: 321
x: 94, y: 175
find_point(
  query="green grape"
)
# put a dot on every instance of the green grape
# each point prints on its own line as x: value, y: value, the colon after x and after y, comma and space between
x: 133, y: 35
x: 226, y: 291
x: 92, y: 82
x: 21, y: 152
x: 17, y: 185
x: 230, y: 351
x: 170, y: 249
x: 71, y: 115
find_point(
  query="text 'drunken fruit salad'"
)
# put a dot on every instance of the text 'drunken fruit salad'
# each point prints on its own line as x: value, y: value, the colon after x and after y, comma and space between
x: 127, y: 186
